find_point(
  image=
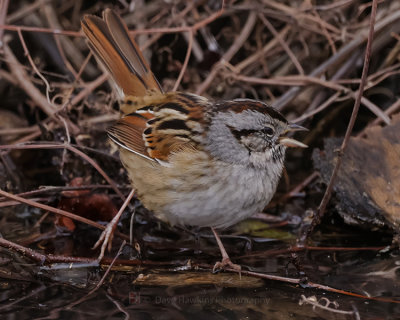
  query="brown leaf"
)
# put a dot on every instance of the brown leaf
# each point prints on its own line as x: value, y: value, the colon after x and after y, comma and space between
x: 97, y: 207
x: 368, y: 183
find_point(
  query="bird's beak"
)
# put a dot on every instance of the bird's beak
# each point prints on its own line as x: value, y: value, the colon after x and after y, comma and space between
x: 296, y: 127
x: 289, y: 142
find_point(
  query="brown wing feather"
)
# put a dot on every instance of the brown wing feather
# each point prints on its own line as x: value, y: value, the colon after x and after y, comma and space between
x: 128, y: 133
x: 160, y: 129
x: 173, y: 126
x: 110, y: 42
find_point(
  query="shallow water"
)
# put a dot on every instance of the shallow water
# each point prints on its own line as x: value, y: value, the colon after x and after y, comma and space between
x: 181, y: 291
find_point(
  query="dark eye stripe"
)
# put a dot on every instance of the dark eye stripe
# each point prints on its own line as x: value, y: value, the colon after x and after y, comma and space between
x: 241, y: 133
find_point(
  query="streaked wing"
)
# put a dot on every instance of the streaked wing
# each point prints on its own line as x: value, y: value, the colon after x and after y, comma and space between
x: 156, y: 131
x: 128, y: 133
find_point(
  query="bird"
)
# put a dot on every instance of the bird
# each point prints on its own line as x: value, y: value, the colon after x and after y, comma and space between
x: 193, y: 161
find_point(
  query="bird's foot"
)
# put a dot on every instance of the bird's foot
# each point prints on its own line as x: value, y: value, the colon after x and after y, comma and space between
x: 105, y: 239
x: 226, y: 263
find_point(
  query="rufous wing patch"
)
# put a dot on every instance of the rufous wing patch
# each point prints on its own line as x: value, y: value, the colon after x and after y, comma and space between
x: 173, y: 122
x: 128, y: 133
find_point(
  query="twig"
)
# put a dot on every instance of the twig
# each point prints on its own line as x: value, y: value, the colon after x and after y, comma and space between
x: 119, y: 305
x: 390, y: 20
x: 22, y: 250
x: 193, y: 28
x: 22, y: 77
x: 304, y: 80
x: 51, y: 209
x: 66, y: 46
x: 10, y: 27
x: 300, y: 186
x: 237, y: 44
x: 109, y: 267
x: 74, y: 150
x: 310, y: 284
x: 322, y: 107
x: 50, y: 258
x: 295, y: 249
x: 328, y: 192
x: 333, y: 6
x: 392, y: 109
x: 185, y: 63
x: 52, y: 20
x: 325, y: 32
x: 3, y: 15
x: 100, y: 283
x: 282, y: 43
x: 260, y: 53
x: 58, y: 189
x: 316, y: 304
x: 89, y: 88
x: 25, y: 10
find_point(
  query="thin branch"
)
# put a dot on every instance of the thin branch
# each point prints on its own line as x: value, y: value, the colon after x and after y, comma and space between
x: 322, y: 107
x: 284, y: 45
x: 100, y: 283
x: 237, y: 44
x: 51, y: 209
x: 300, y: 80
x: 22, y: 77
x: 310, y: 284
x: 3, y: 15
x: 74, y: 150
x: 50, y: 258
x: 185, y: 63
x: 392, y: 21
x: 193, y: 28
x: 328, y: 192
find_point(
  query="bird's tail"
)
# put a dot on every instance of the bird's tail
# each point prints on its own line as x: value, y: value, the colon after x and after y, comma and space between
x: 110, y: 42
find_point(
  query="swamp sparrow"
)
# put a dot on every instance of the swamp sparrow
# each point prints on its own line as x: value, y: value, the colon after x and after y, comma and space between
x: 192, y: 161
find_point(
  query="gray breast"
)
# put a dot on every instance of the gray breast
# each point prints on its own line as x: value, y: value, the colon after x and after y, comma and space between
x: 223, y: 197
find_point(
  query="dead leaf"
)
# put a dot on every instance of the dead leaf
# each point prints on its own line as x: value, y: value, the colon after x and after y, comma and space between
x: 97, y: 207
x: 257, y: 228
x: 368, y: 183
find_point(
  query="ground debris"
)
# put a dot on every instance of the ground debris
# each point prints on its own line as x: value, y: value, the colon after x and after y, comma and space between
x: 368, y: 183
x: 199, y: 278
x: 98, y: 207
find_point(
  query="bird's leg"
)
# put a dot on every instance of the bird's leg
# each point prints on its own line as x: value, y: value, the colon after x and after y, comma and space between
x: 226, y: 261
x: 105, y: 239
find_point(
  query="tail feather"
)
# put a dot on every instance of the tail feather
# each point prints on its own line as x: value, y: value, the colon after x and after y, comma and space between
x: 109, y: 40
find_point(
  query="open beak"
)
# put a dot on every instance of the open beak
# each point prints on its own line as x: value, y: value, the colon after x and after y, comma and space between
x: 296, y: 127
x: 289, y: 142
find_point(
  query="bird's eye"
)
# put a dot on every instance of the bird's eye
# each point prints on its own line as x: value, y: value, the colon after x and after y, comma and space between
x: 268, y: 131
